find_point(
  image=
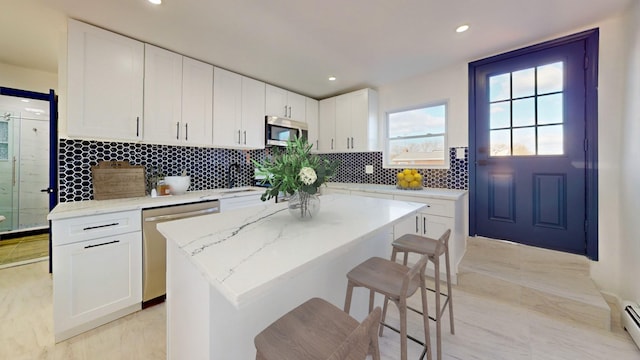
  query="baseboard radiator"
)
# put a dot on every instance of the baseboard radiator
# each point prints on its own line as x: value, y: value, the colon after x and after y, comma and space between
x: 631, y: 320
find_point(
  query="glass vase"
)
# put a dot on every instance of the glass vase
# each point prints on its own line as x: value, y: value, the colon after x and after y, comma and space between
x: 304, y: 206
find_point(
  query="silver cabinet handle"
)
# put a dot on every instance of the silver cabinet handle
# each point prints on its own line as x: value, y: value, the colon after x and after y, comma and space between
x: 317, y: 144
x: 331, y: 144
x: 182, y: 215
x: 289, y: 111
x: 285, y: 111
x: 103, y: 244
x: 417, y: 230
x: 186, y: 131
x: 347, y: 143
x: 238, y: 136
x: 245, y: 137
x: 424, y: 226
x: 137, y: 126
x: 177, y: 131
x: 352, y: 142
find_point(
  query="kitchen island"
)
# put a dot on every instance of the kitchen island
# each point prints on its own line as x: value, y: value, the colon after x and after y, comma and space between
x: 230, y: 275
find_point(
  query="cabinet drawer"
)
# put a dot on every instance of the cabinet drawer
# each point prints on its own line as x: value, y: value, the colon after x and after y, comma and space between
x: 434, y: 206
x: 72, y: 230
x: 372, y: 194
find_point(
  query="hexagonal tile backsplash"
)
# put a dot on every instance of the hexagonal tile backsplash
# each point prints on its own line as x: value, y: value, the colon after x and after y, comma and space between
x: 208, y: 166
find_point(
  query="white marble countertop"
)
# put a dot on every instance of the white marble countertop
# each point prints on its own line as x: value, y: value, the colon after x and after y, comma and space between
x: 437, y: 193
x: 95, y: 207
x: 243, y: 253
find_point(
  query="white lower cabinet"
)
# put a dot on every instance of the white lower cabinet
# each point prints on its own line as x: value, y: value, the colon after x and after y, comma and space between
x: 95, y: 280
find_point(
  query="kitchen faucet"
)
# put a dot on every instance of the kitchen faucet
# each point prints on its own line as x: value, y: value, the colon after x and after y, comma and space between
x: 231, y: 180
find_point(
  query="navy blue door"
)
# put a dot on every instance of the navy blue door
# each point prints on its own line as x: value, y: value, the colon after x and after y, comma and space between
x: 529, y: 136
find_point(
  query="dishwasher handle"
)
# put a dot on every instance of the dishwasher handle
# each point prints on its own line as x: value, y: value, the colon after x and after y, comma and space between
x: 182, y: 215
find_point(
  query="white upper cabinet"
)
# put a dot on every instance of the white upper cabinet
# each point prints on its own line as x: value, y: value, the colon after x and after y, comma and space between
x: 162, y: 95
x: 238, y: 110
x: 104, y: 85
x: 312, y: 122
x: 197, y: 102
x: 355, y: 122
x: 283, y: 103
x: 327, y: 125
x: 178, y: 103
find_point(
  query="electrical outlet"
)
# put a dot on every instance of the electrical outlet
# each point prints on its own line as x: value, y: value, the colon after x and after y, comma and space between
x: 459, y: 153
x: 368, y: 169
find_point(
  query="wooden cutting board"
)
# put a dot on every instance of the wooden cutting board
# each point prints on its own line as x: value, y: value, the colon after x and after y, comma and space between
x: 117, y: 180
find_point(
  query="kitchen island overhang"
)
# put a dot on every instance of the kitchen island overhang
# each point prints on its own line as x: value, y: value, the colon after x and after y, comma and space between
x: 231, y: 274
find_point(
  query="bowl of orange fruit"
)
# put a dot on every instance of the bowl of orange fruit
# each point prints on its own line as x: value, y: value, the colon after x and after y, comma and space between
x: 409, y: 179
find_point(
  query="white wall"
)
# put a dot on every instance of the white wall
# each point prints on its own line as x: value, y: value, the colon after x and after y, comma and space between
x: 452, y: 84
x: 630, y: 174
x: 27, y: 79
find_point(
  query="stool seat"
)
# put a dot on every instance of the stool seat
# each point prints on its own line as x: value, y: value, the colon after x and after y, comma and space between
x: 418, y: 244
x: 386, y: 276
x: 318, y: 330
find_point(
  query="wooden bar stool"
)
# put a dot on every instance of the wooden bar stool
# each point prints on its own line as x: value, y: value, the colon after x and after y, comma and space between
x: 318, y: 330
x: 396, y: 282
x: 433, y: 249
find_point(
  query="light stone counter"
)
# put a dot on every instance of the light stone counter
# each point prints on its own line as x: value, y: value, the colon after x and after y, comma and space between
x: 94, y: 207
x: 231, y: 274
x: 433, y: 193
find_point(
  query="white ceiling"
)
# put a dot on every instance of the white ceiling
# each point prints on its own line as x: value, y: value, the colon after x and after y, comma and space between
x: 297, y: 44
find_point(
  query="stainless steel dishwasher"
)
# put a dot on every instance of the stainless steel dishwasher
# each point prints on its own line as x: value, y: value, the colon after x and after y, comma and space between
x: 154, y: 245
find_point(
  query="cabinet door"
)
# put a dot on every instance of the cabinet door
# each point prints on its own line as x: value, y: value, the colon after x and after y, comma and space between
x: 197, y: 102
x: 359, y: 128
x: 411, y: 225
x: 326, y: 125
x: 296, y: 104
x: 105, y: 84
x: 253, y: 118
x: 434, y: 226
x: 311, y: 115
x: 343, y: 123
x: 276, y: 101
x: 162, y: 95
x: 95, y: 278
x: 227, y: 108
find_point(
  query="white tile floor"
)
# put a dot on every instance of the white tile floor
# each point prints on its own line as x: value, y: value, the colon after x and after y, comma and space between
x: 485, y: 329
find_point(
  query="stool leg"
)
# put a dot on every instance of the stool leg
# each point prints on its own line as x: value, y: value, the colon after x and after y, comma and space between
x: 436, y: 266
x: 403, y: 328
x: 384, y: 314
x: 425, y: 316
x: 449, y: 292
x: 371, y: 296
x: 347, y: 299
x: 406, y: 258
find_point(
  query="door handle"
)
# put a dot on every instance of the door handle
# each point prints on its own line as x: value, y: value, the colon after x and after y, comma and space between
x: 47, y: 190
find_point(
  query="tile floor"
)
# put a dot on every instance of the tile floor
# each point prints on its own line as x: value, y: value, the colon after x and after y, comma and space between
x: 23, y: 249
x: 485, y: 329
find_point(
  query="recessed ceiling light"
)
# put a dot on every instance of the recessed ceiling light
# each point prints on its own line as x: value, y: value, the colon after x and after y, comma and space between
x: 332, y: 78
x: 155, y: 2
x: 462, y: 28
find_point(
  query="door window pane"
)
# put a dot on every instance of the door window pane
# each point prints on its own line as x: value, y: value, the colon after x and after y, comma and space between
x: 500, y: 87
x: 550, y: 78
x: 550, y: 109
x: 524, y: 83
x: 524, y: 141
x: 500, y: 142
x: 550, y: 140
x: 524, y: 112
x: 500, y: 115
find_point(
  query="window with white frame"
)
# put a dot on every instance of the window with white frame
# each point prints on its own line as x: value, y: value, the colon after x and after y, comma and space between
x: 417, y: 137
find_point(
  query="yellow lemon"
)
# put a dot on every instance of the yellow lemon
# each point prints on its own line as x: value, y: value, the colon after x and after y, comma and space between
x: 408, y: 178
x: 414, y: 171
x: 403, y: 184
x: 407, y: 172
x: 400, y: 176
x: 414, y: 184
x: 417, y: 177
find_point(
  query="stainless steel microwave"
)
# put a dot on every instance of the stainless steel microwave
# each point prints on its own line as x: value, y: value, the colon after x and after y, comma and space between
x: 280, y: 130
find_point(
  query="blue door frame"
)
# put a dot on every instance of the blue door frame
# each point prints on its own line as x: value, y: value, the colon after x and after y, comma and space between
x: 591, y: 38
x: 51, y: 97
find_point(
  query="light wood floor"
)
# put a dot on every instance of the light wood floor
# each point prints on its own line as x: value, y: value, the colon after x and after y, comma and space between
x: 485, y: 329
x: 23, y: 249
